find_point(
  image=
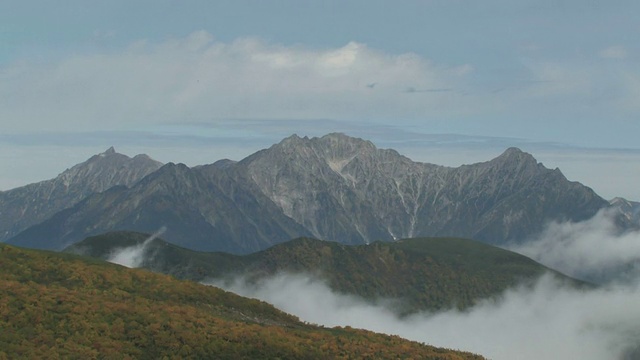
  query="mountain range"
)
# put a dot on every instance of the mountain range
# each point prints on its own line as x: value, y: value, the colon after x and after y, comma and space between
x: 334, y: 187
x: 31, y: 204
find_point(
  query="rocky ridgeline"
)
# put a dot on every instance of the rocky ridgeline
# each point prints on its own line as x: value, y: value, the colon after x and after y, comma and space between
x: 335, y: 188
x: 31, y: 204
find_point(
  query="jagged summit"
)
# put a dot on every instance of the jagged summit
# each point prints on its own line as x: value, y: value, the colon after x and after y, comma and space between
x: 517, y: 161
x: 331, y: 148
x: 515, y: 154
x: 513, y: 150
x: 333, y: 187
x: 630, y: 210
x: 338, y: 136
x: 293, y: 138
x: 33, y: 203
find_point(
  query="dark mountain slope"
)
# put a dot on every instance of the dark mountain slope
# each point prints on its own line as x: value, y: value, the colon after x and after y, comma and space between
x: 209, y: 213
x: 63, y: 306
x: 31, y: 204
x: 333, y: 188
x: 345, y: 189
x: 426, y: 274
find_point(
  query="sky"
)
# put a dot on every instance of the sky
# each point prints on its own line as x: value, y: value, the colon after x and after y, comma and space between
x: 442, y: 81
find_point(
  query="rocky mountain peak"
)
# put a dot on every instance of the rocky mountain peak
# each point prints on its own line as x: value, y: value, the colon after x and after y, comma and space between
x: 331, y: 148
x: 343, y: 138
x: 224, y: 163
x: 170, y: 177
x: 30, y: 204
x: 630, y: 210
x: 514, y: 153
x: 340, y: 145
x: 111, y: 164
x: 333, y: 187
x: 618, y: 201
x: 516, y: 159
x: 293, y: 140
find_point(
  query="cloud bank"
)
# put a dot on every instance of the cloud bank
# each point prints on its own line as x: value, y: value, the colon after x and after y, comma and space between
x: 546, y: 321
x: 198, y: 78
x: 593, y: 249
x: 549, y: 320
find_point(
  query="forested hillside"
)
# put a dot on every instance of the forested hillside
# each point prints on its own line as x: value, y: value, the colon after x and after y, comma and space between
x: 423, y: 273
x: 58, y: 306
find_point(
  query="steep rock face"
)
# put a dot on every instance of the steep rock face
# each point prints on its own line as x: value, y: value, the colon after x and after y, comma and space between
x: 209, y: 213
x: 34, y: 203
x: 303, y: 182
x: 506, y: 199
x: 345, y: 189
x: 629, y: 212
x: 333, y: 188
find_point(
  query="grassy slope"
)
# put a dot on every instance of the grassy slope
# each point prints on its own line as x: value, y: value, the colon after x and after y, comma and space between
x: 427, y: 274
x: 64, y: 306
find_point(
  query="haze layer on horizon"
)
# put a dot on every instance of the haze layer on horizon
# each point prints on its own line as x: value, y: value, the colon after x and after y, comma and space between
x: 610, y: 172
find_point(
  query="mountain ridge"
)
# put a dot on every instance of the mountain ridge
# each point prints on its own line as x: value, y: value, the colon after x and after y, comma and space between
x: 31, y: 204
x: 404, y: 186
x: 333, y: 187
x: 422, y: 274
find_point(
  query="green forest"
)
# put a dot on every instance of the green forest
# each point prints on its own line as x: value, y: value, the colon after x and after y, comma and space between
x: 422, y: 274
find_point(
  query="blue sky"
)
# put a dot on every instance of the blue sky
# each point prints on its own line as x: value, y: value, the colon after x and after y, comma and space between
x: 195, y: 81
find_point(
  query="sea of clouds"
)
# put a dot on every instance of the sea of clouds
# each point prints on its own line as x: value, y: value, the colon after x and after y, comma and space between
x: 549, y: 320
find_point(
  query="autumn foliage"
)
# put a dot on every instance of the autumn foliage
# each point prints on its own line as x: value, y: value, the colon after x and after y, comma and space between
x: 58, y: 306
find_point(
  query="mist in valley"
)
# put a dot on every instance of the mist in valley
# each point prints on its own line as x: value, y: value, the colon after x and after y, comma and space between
x: 547, y: 319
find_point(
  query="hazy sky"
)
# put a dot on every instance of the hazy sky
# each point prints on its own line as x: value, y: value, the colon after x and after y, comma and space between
x: 195, y: 81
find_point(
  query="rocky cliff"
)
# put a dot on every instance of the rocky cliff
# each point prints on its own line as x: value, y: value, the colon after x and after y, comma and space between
x: 31, y: 204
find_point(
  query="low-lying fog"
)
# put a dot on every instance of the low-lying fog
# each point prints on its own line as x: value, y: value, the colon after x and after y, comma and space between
x: 548, y: 320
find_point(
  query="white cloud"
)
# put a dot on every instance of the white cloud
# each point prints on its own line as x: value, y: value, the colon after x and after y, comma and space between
x: 198, y: 77
x: 133, y: 256
x: 545, y: 321
x: 591, y: 249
